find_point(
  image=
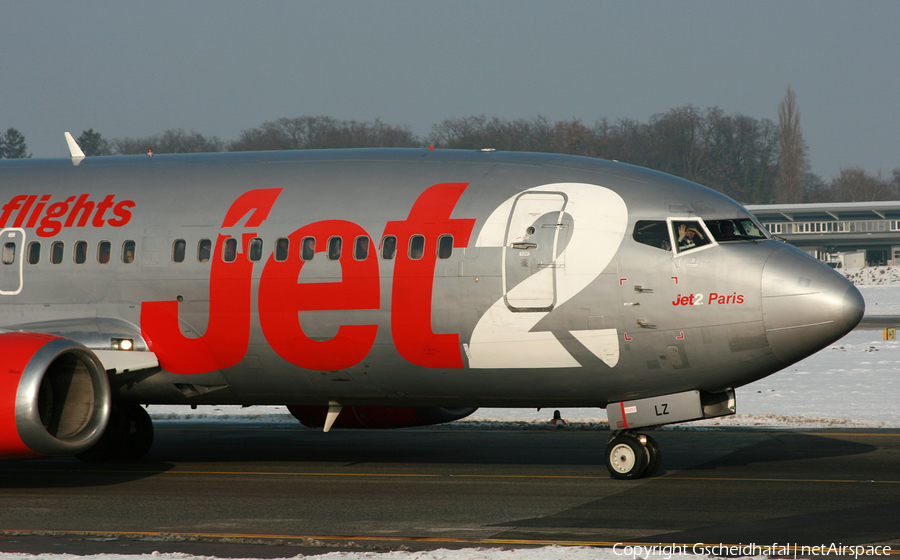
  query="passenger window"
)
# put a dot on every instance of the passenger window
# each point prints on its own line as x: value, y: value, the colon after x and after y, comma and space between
x: 56, y: 252
x: 34, y: 252
x: 256, y: 248
x: 334, y: 248
x: 128, y: 252
x: 9, y: 253
x: 388, y: 247
x: 178, y: 249
x: 282, y: 248
x: 229, y: 250
x: 653, y: 233
x: 204, y: 248
x: 308, y: 250
x: 361, y: 248
x: 80, y: 252
x: 103, y: 252
x: 445, y: 246
x: 689, y: 235
x: 416, y: 247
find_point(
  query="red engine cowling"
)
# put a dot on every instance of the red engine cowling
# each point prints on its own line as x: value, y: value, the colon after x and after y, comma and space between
x: 54, y: 396
x: 379, y: 416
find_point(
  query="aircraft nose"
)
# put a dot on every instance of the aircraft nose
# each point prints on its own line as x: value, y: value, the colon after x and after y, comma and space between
x: 805, y: 304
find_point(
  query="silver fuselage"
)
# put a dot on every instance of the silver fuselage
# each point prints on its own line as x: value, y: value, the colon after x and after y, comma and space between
x: 543, y: 296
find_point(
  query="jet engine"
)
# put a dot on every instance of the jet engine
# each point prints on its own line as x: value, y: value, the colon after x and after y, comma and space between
x: 380, y: 416
x: 54, y: 396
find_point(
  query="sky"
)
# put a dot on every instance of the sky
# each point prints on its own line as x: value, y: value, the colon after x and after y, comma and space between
x: 133, y: 69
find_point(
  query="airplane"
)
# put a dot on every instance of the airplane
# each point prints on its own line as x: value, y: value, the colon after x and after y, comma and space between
x: 386, y: 288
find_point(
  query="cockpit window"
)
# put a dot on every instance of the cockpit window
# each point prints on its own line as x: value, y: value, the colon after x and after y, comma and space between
x: 735, y: 230
x: 653, y: 233
x: 689, y: 234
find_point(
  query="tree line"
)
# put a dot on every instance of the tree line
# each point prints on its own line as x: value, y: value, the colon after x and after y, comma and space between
x: 754, y: 161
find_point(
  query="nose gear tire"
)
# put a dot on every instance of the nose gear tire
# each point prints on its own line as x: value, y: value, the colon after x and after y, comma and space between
x: 626, y: 458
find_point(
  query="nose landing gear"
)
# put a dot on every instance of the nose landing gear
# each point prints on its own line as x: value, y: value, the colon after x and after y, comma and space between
x: 631, y: 455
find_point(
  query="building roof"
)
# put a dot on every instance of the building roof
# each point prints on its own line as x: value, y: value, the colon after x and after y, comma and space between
x: 827, y: 211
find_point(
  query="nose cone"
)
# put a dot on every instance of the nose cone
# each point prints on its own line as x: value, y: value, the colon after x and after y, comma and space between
x: 806, y: 305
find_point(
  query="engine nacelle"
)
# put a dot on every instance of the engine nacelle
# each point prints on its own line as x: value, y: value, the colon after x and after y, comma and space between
x: 54, y: 396
x: 380, y: 416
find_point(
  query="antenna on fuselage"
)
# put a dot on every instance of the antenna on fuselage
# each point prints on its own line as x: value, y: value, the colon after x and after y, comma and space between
x: 334, y: 408
x: 74, y: 150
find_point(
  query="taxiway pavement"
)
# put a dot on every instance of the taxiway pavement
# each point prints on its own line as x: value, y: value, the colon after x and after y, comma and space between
x: 218, y: 488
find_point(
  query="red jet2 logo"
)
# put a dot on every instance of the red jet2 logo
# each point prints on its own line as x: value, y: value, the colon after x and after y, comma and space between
x: 281, y: 297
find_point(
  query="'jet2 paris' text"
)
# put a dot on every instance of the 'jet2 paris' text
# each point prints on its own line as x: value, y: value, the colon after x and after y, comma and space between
x: 714, y: 299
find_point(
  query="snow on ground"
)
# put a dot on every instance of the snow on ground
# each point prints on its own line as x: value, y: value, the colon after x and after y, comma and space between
x: 872, y: 275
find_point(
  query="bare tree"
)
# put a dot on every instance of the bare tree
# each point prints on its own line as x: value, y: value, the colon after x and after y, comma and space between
x: 476, y: 132
x: 791, y: 172
x: 853, y: 184
x: 734, y: 154
x: 172, y: 141
x: 625, y: 140
x: 738, y: 156
x: 675, y: 142
x: 304, y: 133
x: 572, y: 137
x: 815, y: 189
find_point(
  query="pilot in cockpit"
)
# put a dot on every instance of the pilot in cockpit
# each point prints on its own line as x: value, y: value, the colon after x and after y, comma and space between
x: 726, y: 231
x: 689, y: 237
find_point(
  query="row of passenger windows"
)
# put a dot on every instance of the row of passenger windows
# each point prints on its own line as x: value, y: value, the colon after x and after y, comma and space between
x: 58, y: 249
x: 334, y: 248
x: 307, y: 251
